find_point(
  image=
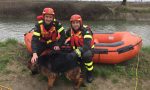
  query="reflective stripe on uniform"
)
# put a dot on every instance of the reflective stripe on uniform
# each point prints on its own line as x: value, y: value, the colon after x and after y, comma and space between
x: 87, y: 36
x: 89, y: 69
x: 36, y: 33
x: 41, y: 21
x: 61, y: 29
x: 78, y: 52
x: 68, y: 39
x: 85, y: 26
x: 74, y: 47
x: 49, y: 41
x: 93, y: 46
x: 89, y: 64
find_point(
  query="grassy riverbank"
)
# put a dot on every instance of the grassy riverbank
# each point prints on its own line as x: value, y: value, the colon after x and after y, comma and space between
x: 14, y: 57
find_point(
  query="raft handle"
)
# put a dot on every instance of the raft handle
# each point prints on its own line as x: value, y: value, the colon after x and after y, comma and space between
x: 125, y: 49
x: 29, y: 31
x: 100, y: 51
x: 103, y: 33
x: 115, y: 44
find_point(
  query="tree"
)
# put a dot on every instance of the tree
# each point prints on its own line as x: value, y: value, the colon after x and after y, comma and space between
x: 124, y: 2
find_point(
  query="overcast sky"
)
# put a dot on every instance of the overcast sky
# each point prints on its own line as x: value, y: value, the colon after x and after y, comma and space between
x: 120, y: 0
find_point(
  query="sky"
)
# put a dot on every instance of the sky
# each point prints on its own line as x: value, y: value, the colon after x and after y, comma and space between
x: 120, y: 0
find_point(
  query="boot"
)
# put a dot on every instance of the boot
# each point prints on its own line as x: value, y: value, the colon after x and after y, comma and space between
x: 89, y: 76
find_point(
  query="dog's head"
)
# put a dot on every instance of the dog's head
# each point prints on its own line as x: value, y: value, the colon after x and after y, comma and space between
x: 32, y: 66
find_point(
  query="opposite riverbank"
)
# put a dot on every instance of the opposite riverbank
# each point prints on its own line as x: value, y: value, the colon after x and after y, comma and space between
x: 89, y: 10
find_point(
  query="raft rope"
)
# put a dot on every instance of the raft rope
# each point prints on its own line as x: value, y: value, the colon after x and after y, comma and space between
x: 1, y: 87
x: 137, y: 66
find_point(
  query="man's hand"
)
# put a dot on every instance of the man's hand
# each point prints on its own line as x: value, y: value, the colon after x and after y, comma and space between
x: 34, y: 58
x: 56, y: 48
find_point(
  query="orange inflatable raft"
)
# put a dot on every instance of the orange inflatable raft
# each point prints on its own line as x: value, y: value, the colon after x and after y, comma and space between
x: 110, y: 48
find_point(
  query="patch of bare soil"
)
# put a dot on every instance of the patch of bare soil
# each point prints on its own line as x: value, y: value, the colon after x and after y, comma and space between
x: 18, y: 77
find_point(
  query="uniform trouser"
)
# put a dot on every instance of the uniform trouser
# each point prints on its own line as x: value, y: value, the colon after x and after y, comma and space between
x: 43, y: 46
x: 85, y: 59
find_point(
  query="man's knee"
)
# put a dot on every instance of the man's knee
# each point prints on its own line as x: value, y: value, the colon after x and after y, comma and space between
x: 87, y: 55
x: 87, y: 58
x: 72, y: 55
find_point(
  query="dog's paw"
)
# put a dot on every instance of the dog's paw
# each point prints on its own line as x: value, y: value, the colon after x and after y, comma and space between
x: 75, y: 88
x: 50, y: 88
x: 83, y: 85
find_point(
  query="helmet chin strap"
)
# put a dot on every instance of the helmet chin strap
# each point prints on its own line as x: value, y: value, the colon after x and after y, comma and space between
x: 76, y: 30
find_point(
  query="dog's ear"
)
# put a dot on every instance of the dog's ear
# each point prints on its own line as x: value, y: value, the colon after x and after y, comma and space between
x: 29, y: 65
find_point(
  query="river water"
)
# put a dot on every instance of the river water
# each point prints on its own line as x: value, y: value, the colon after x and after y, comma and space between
x: 16, y: 28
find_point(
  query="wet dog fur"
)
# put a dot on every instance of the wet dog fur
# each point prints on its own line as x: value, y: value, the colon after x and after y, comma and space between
x: 45, y: 67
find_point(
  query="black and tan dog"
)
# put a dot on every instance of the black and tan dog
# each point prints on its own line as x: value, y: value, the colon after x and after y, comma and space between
x: 52, y: 64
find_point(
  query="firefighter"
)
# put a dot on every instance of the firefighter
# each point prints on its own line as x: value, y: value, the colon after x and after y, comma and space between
x: 80, y: 38
x: 48, y: 34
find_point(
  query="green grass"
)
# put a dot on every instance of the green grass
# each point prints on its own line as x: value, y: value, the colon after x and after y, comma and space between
x: 124, y: 9
x: 126, y: 69
x: 146, y: 49
x: 10, y: 51
x: 115, y: 80
x: 8, y: 42
x: 42, y: 78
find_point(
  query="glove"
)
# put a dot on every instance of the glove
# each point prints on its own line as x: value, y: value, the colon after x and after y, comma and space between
x: 78, y: 51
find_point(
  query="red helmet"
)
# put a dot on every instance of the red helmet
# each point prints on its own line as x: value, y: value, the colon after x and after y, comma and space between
x: 76, y: 17
x: 48, y: 11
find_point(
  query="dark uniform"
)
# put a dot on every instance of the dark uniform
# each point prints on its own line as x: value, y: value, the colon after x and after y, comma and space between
x: 82, y: 43
x: 41, y: 42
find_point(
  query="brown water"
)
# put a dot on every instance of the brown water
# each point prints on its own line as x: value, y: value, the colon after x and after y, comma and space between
x: 16, y: 28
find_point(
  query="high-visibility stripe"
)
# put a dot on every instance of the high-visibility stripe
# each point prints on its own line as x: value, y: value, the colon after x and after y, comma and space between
x: 61, y: 29
x: 41, y: 21
x: 78, y: 52
x: 74, y: 47
x: 68, y: 39
x: 36, y: 33
x: 77, y: 34
x: 49, y: 41
x: 87, y: 36
x: 85, y: 26
x: 89, y: 69
x: 42, y: 28
x: 89, y: 64
x: 93, y: 46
